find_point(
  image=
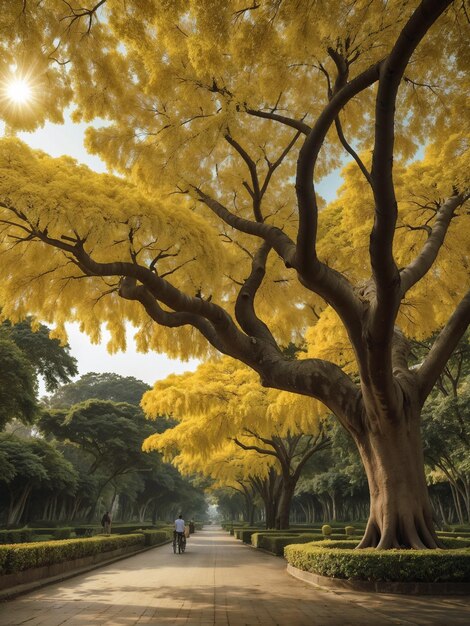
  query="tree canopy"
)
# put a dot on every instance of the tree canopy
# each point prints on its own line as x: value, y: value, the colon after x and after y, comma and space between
x: 222, y: 404
x: 49, y: 358
x: 221, y: 120
x: 17, y: 385
x: 99, y: 386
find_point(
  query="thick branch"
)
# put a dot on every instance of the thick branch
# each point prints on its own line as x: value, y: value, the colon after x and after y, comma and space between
x: 244, y: 446
x: 299, y: 125
x: 308, y: 155
x: 424, y: 261
x: 244, y: 306
x: 443, y: 347
x: 381, y: 242
x: 278, y: 240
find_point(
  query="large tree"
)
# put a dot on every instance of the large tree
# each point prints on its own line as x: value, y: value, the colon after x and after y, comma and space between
x: 226, y: 116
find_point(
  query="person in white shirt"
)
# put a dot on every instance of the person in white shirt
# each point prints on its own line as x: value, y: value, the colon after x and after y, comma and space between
x: 179, y: 528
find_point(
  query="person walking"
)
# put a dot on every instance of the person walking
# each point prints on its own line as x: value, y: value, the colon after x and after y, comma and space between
x: 106, y: 523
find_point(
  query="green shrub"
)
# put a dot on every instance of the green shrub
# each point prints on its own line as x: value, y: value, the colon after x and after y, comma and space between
x: 454, y: 543
x: 326, y: 530
x: 462, y: 528
x: 154, y: 537
x: 19, y: 535
x: 276, y: 542
x: 17, y: 558
x: 86, y: 531
x: 62, y: 533
x: 44, y: 524
x: 349, y: 530
x: 124, y: 529
x: 380, y: 565
x: 345, y: 544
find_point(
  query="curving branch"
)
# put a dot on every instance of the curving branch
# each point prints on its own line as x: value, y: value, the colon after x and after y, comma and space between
x: 244, y: 446
x: 244, y: 306
x: 443, y: 347
x: 311, y: 377
x: 278, y: 240
x: 308, y: 155
x: 298, y: 125
x: 350, y: 150
x: 77, y: 14
x: 254, y: 190
x: 419, y: 267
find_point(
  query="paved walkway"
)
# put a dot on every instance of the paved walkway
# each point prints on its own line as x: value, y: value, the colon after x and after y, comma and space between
x: 217, y: 582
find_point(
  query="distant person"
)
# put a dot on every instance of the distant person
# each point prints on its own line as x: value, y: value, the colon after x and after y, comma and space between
x: 179, y: 527
x: 106, y: 523
x: 191, y: 527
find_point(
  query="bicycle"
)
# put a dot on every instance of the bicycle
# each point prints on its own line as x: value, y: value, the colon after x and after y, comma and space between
x: 179, y: 543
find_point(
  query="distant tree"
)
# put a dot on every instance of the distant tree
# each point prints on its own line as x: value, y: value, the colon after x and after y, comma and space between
x: 17, y: 385
x: 105, y: 386
x: 48, y: 357
x: 110, y: 432
x: 223, y: 401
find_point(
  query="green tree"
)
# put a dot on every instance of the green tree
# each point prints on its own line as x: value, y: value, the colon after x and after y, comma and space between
x: 17, y: 385
x: 47, y: 356
x: 110, y: 432
x: 105, y: 386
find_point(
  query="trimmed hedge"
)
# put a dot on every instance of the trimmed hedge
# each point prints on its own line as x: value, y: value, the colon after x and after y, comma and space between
x: 277, y: 543
x: 328, y: 559
x: 17, y: 558
x: 245, y: 534
x: 454, y: 543
x: 20, y: 535
x: 86, y: 531
x: 154, y: 537
x: 27, y: 535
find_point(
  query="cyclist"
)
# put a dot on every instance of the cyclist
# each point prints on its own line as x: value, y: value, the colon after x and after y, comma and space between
x: 179, y: 529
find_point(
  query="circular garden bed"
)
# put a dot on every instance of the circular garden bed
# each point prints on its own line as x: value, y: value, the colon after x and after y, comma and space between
x: 337, y: 563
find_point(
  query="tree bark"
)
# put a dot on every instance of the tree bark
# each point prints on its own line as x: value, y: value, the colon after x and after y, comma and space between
x: 400, y: 509
x: 284, y: 505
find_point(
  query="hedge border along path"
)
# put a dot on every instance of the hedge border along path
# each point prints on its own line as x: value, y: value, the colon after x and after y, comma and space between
x: 55, y: 563
x: 423, y: 572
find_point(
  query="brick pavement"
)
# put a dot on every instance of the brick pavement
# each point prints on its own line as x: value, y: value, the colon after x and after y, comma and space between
x: 217, y: 582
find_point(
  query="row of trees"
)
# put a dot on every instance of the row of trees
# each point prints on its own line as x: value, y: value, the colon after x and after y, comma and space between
x: 82, y: 452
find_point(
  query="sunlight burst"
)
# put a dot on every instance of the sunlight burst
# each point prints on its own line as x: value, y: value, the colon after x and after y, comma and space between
x: 19, y: 91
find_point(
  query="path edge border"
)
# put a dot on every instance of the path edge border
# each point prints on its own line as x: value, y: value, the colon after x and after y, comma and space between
x: 406, y: 588
x: 12, y: 592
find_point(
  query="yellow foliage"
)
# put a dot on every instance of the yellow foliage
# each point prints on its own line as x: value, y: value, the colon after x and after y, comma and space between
x: 173, y: 80
x: 220, y: 401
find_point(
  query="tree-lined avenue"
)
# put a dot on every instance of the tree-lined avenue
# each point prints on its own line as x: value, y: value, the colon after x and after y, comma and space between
x: 218, y: 581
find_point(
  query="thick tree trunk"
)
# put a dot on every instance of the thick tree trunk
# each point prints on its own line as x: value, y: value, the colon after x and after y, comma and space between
x: 284, y: 505
x: 400, y: 510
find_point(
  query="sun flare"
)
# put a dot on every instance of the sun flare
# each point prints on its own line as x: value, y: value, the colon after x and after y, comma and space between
x: 19, y: 91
